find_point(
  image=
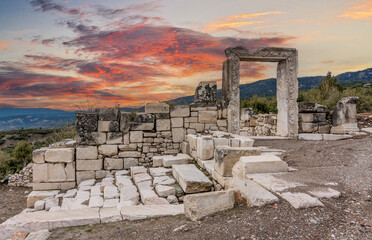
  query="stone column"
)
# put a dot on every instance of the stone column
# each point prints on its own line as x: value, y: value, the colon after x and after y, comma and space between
x: 344, y: 117
x: 287, y: 93
x: 233, y: 108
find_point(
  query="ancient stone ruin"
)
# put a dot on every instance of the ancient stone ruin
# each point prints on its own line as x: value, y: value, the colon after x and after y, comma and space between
x: 183, y: 159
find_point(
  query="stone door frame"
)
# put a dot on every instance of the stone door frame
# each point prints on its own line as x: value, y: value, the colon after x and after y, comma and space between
x: 286, y: 84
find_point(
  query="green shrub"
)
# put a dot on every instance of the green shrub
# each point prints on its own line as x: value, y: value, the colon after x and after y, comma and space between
x: 8, y: 165
x: 260, y: 104
x: 23, y: 152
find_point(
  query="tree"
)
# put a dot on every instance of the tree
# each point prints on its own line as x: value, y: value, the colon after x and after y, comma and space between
x: 22, y: 152
x: 328, y: 85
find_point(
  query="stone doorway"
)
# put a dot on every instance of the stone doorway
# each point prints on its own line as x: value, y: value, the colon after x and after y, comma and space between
x: 287, y: 85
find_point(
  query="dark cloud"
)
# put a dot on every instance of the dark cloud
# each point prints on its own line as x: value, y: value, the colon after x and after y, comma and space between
x: 49, y: 5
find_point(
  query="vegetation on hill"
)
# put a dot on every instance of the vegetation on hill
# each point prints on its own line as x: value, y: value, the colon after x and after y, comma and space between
x: 16, y: 146
x: 328, y: 93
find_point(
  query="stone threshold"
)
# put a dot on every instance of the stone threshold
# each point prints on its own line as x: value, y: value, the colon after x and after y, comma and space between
x: 268, y: 138
x: 35, y: 221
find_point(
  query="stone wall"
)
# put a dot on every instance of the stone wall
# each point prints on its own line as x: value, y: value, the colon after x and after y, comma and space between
x: 313, y: 118
x: 257, y: 124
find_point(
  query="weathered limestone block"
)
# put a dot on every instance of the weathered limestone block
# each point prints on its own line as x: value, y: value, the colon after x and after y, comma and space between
x: 205, y: 94
x: 84, y: 175
x: 178, y: 135
x: 165, y: 191
x: 191, y: 179
x: 38, y: 155
x: 142, y: 126
x: 46, y: 186
x: 111, y: 192
x: 263, y: 164
x: 109, y: 114
x: 86, y: 153
x: 113, y: 163
x: 39, y: 195
x: 58, y: 173
x: 199, y: 127
x: 136, y: 136
x: 226, y: 157
x: 114, y: 138
x: 301, y: 200
x: 208, y: 117
x: 99, y: 137
x: 222, y: 123
x: 89, y: 165
x: 180, y: 111
x: 192, y: 140
x: 177, y: 122
x: 157, y: 108
x: 108, y: 150
x: 170, y: 160
x: 163, y: 125
x: 60, y: 155
x: 305, y: 127
x: 130, y: 154
x: 311, y: 107
x: 40, y: 172
x: 108, y: 126
x: 312, y: 117
x: 200, y: 205
x: 221, y: 142
x: 344, y: 119
x: 86, y: 123
x: 130, y: 162
x: 95, y: 201
x: 205, y: 147
x: 125, y: 120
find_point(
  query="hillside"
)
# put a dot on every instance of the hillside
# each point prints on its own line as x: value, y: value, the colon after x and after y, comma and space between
x: 267, y: 87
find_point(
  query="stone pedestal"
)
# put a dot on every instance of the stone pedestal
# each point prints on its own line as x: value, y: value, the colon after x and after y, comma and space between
x: 344, y: 118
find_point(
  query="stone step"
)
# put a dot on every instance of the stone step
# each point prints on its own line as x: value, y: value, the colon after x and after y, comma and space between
x: 263, y: 164
x: 191, y: 179
x: 170, y: 160
x: 209, y: 165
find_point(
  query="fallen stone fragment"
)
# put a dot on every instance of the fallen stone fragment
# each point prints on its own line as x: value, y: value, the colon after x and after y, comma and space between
x: 51, y: 202
x: 110, y: 203
x: 163, y: 180
x: 121, y: 173
x: 39, y: 205
x: 111, y: 192
x: 55, y: 209
x: 165, y: 191
x: 96, y: 191
x: 109, y: 215
x: 39, y: 235
x: 143, y: 211
x: 95, y: 201
x: 70, y: 193
x: 82, y: 197
x: 170, y: 160
x: 254, y: 194
x: 172, y: 199
x: 325, y: 193
x: 123, y: 181
x: 160, y: 171
x: 137, y: 170
x: 156, y: 201
x: 191, y: 179
x: 263, y: 164
x: 129, y: 194
x: 146, y: 194
x: 39, y: 195
x: 200, y: 205
x: 301, y: 200
x: 89, y: 182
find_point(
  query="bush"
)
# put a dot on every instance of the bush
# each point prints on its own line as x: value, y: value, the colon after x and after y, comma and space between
x: 8, y: 165
x: 260, y: 104
x: 22, y: 152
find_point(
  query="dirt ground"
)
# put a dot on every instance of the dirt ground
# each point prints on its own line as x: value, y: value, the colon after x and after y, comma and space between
x: 346, y: 162
x: 12, y: 200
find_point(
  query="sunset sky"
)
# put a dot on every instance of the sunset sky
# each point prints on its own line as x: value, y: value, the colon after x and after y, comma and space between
x: 57, y: 54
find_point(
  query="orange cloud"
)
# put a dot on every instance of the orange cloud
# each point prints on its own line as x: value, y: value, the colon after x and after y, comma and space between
x: 235, y: 21
x: 3, y: 45
x: 360, y: 12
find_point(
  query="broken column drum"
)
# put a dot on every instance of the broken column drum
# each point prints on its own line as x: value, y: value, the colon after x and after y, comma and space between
x: 287, y: 85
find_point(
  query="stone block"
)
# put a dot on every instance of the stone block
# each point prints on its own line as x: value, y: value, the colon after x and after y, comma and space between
x: 56, y: 172
x: 60, y: 155
x: 84, y: 175
x: 151, y: 211
x: 130, y: 154
x: 185, y: 148
x: 307, y: 127
x: 208, y: 117
x: 222, y: 123
x: 333, y: 137
x: 40, y: 172
x: 310, y: 137
x: 192, y: 140
x: 165, y: 191
x: 177, y: 122
x: 39, y: 195
x: 136, y: 136
x: 221, y: 142
x: 109, y: 114
x: 191, y: 179
x: 38, y: 155
x: 142, y: 126
x: 199, y: 127
x: 178, y: 135
x: 200, y: 205
x: 226, y: 157
x: 108, y: 150
x: 180, y: 111
x: 163, y: 125
x: 162, y: 115
x: 111, y: 192
x: 89, y: 165
x: 253, y: 193
x: 125, y: 120
x: 115, y: 138
x: 170, y: 160
x: 301, y: 200
x: 45, y: 186
x: 113, y: 164
x: 108, y: 126
x: 70, y: 170
x: 99, y: 137
x: 157, y: 108
x: 101, y: 174
x: 86, y: 123
x: 205, y: 94
x: 205, y: 147
x: 95, y: 202
x: 108, y: 215
x: 157, y: 161
x: 263, y: 164
x: 86, y: 153
x: 130, y: 162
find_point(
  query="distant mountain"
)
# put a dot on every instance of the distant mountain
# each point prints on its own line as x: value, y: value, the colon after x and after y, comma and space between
x: 17, y: 118
x: 267, y: 87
